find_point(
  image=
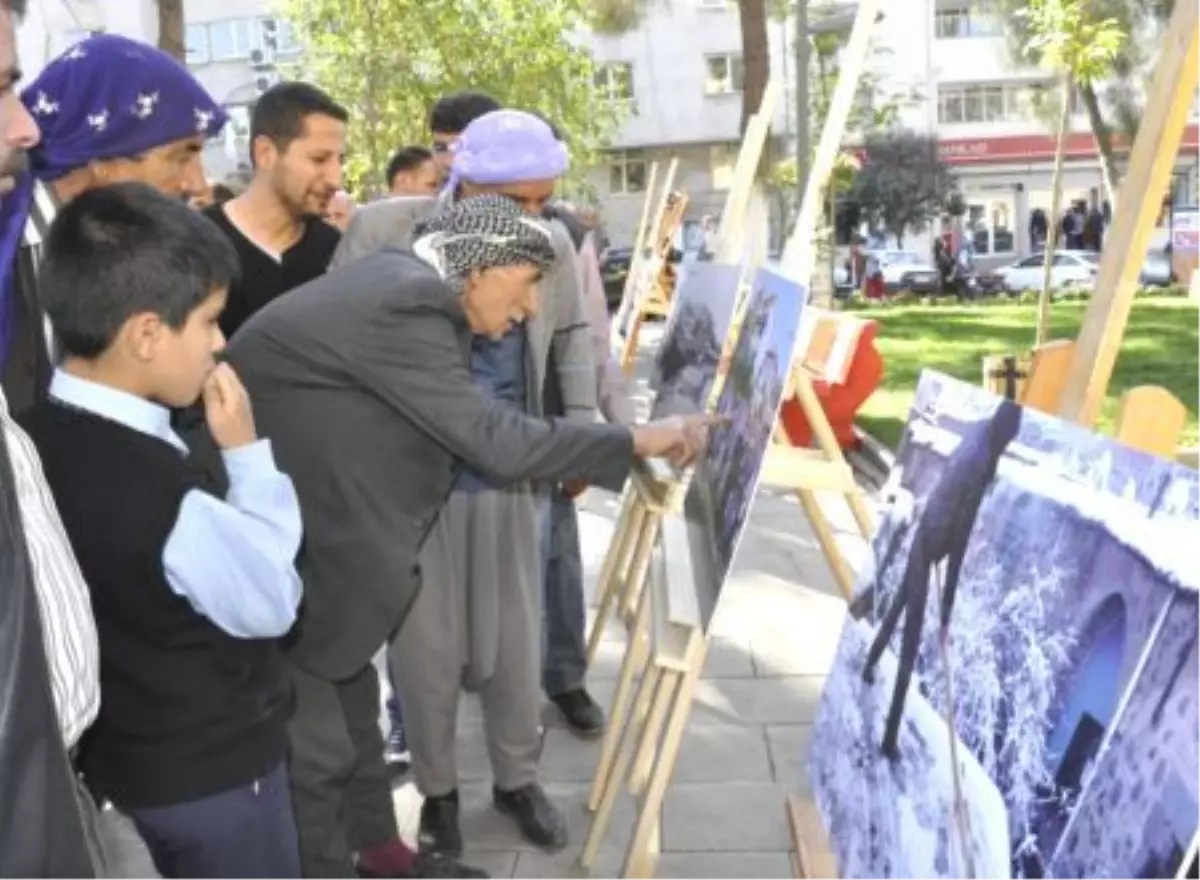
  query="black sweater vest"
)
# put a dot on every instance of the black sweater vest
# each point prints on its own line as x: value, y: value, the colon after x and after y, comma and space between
x: 186, y: 710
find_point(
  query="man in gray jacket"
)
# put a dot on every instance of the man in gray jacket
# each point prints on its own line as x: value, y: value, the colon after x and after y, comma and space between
x: 481, y: 625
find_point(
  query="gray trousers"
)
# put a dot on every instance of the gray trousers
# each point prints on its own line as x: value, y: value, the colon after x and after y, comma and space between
x: 341, y: 791
x: 476, y: 622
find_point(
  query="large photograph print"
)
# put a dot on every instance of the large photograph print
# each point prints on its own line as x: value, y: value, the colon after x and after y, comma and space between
x: 1027, y: 621
x: 687, y: 360
x: 726, y: 476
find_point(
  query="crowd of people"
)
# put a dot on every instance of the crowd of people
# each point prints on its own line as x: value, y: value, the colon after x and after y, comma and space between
x: 206, y: 544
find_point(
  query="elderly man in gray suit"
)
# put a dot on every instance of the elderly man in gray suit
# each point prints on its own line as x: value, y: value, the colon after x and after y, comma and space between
x: 361, y: 381
x: 481, y: 624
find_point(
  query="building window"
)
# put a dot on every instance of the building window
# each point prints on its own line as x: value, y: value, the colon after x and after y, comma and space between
x: 232, y: 38
x: 1014, y: 102
x: 627, y: 172
x: 989, y: 225
x: 977, y: 19
x: 615, y: 80
x: 195, y: 37
x: 724, y: 74
x: 286, y: 38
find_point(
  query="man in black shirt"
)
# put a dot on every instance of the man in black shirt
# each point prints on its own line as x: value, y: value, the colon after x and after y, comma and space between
x: 297, y: 142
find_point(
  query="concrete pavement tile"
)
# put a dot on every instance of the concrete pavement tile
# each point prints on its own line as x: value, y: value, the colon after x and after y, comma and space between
x: 789, y: 755
x: 497, y: 864
x: 711, y: 752
x: 728, y: 658
x: 803, y: 641
x: 722, y: 865
x: 552, y: 866
x: 791, y: 700
x: 723, y: 817
x: 484, y: 829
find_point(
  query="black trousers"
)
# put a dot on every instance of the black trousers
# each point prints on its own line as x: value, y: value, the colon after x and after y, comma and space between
x: 341, y: 789
x: 244, y: 832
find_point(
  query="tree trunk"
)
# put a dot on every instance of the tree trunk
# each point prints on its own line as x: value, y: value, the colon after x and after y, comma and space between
x: 756, y: 59
x: 1064, y: 121
x: 170, y: 29
x: 1103, y: 136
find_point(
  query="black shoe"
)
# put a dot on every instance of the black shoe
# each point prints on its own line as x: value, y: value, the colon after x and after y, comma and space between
x: 583, y: 714
x: 440, y: 834
x: 539, y: 820
x: 434, y: 865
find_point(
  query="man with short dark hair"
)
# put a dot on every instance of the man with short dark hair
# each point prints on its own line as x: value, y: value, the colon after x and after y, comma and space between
x: 412, y: 172
x: 297, y: 143
x: 449, y: 119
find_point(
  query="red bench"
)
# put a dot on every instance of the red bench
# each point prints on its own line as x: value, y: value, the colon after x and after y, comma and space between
x: 845, y: 367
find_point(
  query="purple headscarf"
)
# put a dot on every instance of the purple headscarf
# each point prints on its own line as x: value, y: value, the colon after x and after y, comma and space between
x: 107, y: 97
x: 507, y: 146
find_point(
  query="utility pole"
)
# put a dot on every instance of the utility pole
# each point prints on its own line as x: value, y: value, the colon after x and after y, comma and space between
x: 803, y: 146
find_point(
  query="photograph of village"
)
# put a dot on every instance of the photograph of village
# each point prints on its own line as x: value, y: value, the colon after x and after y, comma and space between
x: 1049, y: 569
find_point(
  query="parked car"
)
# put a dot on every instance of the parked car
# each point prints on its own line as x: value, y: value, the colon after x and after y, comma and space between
x: 1070, y: 269
x: 902, y: 270
x: 1076, y: 269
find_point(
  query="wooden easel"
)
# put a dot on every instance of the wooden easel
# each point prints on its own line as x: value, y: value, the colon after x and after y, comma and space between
x: 624, y: 567
x: 637, y: 256
x: 654, y: 290
x: 646, y: 264
x: 642, y: 740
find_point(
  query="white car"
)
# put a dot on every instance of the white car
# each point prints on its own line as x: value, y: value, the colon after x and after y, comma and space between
x: 901, y: 269
x: 1070, y: 269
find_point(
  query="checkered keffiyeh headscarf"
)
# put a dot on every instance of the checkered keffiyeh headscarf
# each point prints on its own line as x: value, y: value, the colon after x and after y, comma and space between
x: 482, y: 232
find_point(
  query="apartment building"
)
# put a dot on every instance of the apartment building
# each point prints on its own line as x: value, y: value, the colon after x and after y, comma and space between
x: 984, y: 110
x: 233, y: 46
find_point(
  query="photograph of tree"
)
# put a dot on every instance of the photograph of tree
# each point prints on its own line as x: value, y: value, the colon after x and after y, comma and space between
x: 687, y: 359
x: 1027, y: 582
x: 726, y: 476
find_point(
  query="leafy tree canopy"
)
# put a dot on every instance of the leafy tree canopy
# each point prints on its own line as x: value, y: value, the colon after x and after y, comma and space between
x: 388, y: 61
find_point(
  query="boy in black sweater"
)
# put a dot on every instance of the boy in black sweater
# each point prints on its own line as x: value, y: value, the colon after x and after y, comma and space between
x: 190, y: 590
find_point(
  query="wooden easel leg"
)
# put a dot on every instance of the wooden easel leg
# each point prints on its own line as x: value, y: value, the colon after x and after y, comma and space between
x: 640, y: 859
x: 653, y: 689
x: 613, y: 568
x: 824, y: 534
x: 629, y: 350
x: 643, y: 761
x: 862, y: 515
x: 635, y: 655
x: 635, y: 584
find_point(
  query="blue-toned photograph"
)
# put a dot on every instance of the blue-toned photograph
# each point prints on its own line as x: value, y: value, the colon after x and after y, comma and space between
x: 726, y: 477
x: 1022, y: 587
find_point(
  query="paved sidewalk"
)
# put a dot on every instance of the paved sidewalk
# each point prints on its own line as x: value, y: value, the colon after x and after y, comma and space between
x: 773, y: 638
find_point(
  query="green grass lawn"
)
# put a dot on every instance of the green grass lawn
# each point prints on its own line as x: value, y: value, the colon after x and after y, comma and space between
x: 1160, y: 348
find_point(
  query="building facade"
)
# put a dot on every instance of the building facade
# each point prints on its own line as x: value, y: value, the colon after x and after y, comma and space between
x: 945, y: 63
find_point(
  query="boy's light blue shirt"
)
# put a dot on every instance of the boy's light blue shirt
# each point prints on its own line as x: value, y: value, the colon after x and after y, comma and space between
x: 233, y: 560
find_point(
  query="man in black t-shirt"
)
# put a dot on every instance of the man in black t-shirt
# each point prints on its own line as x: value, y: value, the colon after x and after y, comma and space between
x: 297, y: 142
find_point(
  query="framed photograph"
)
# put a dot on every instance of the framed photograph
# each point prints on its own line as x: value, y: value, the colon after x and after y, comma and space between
x: 1033, y: 586
x: 726, y: 476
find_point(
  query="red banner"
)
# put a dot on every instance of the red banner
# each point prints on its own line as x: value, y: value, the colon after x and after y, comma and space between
x: 1035, y: 147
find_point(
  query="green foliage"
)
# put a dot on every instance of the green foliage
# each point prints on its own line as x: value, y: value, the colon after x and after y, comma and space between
x: 388, y: 61
x: 903, y: 183
x: 1066, y: 36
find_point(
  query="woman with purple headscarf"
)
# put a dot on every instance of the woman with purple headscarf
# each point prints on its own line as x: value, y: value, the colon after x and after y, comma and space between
x: 111, y: 110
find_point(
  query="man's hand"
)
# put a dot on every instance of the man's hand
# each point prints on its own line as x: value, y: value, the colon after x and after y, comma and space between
x: 227, y: 409
x: 574, y: 488
x: 678, y: 439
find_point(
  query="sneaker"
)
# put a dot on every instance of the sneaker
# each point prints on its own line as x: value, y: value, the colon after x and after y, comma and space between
x: 396, y: 752
x: 440, y: 834
x: 435, y: 865
x: 540, y: 822
x: 583, y: 714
